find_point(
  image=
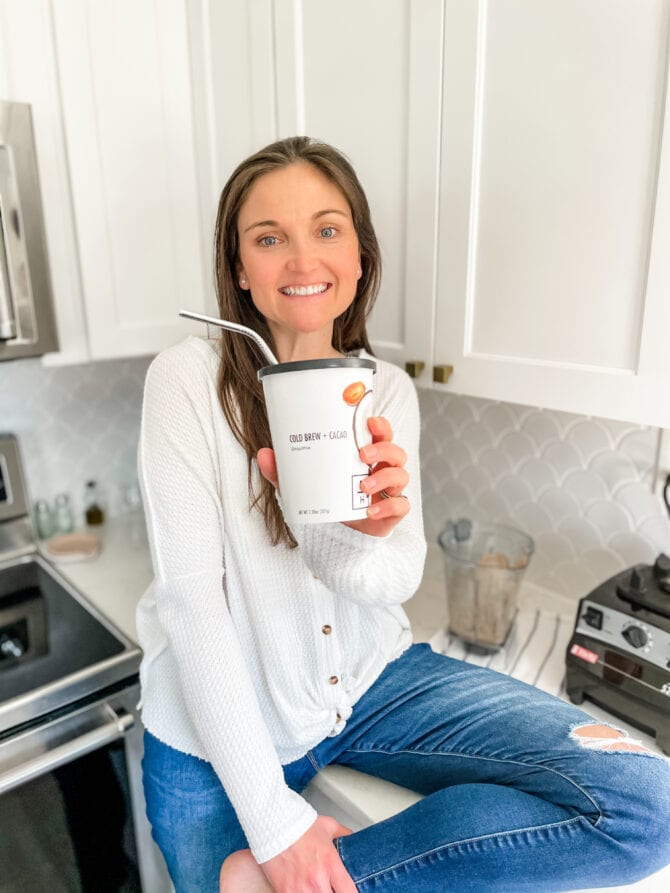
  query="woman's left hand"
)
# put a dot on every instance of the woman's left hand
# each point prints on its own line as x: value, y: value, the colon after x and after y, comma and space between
x: 388, y: 474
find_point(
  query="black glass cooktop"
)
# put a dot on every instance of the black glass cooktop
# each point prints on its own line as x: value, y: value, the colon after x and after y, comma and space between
x: 46, y: 635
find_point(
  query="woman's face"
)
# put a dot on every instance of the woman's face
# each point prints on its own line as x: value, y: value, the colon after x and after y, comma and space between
x: 299, y: 257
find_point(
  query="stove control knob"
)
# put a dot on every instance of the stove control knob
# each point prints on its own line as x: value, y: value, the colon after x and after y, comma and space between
x: 10, y: 647
x: 635, y: 636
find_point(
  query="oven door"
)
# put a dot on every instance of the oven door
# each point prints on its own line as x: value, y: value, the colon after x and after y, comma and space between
x: 71, y: 804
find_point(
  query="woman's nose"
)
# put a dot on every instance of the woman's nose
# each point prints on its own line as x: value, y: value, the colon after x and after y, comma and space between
x: 302, y: 258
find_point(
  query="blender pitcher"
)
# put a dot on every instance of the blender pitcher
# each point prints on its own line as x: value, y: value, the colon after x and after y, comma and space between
x: 484, y: 565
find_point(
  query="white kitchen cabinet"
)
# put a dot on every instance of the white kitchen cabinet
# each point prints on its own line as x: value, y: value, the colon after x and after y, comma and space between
x: 553, y: 277
x: 371, y: 87
x: 362, y: 76
x: 514, y: 157
x: 513, y: 153
x: 110, y: 85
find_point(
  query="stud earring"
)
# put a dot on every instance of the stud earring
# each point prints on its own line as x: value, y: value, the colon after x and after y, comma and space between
x: 243, y: 283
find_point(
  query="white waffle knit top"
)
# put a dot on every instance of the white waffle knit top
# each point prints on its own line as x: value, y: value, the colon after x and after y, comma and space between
x: 252, y: 652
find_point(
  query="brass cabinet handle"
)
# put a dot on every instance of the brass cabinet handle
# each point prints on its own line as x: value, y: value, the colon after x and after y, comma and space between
x: 442, y: 374
x: 414, y: 368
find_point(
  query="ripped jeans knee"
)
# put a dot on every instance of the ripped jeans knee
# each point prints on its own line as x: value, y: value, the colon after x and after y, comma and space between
x: 633, y: 797
x: 607, y: 739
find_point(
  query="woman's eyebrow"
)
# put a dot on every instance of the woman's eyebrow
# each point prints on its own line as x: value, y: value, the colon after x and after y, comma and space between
x: 329, y: 211
x: 315, y: 216
x: 262, y: 223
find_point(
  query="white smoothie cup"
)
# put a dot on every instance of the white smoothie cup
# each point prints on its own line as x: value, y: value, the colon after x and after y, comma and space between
x: 318, y: 412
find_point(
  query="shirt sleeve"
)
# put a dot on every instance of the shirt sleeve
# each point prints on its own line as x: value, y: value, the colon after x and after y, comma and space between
x: 180, y: 483
x: 368, y: 569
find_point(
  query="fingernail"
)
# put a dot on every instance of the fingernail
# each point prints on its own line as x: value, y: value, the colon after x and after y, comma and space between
x: 373, y: 510
x: 370, y: 452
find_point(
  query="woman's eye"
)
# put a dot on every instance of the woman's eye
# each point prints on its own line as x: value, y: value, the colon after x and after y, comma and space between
x: 268, y: 241
x: 328, y: 232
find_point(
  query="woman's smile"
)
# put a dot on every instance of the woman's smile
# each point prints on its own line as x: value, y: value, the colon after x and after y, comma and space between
x: 304, y: 290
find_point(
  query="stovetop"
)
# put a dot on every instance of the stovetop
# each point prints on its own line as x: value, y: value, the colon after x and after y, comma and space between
x: 55, y: 648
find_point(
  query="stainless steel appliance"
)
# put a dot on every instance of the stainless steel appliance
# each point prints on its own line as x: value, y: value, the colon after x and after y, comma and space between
x: 27, y: 325
x: 70, y: 735
x: 619, y: 653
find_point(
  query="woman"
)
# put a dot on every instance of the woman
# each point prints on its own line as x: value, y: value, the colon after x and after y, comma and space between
x: 271, y: 652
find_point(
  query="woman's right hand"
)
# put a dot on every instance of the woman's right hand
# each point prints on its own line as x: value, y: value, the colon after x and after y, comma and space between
x: 311, y: 864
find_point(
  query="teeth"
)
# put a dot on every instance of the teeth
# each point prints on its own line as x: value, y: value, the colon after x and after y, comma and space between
x: 304, y: 290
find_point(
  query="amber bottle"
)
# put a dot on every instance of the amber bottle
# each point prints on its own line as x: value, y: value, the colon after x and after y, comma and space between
x: 94, y: 513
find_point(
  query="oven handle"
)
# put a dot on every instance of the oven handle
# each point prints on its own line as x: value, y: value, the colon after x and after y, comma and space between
x: 104, y: 734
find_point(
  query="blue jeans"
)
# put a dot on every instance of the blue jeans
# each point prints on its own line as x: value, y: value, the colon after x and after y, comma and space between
x: 514, y: 799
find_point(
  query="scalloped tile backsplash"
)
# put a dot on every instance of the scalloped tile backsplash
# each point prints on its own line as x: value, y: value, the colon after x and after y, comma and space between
x: 581, y: 487
x: 74, y: 424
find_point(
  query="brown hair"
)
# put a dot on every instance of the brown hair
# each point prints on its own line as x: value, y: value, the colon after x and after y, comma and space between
x: 240, y: 392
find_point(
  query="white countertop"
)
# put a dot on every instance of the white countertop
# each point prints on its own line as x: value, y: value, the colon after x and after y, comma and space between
x: 115, y: 580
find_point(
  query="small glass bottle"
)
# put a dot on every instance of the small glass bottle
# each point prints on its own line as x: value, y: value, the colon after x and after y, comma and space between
x: 63, y: 512
x: 93, y: 511
x: 44, y: 519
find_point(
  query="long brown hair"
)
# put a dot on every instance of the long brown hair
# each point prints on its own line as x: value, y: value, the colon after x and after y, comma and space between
x: 240, y: 392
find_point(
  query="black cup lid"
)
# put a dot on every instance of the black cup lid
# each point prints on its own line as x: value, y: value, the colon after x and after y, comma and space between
x: 328, y: 363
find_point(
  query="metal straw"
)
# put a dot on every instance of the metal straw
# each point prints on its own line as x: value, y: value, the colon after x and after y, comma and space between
x: 234, y: 327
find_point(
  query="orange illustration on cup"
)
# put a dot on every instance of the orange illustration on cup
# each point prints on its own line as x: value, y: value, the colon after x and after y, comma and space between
x: 353, y: 393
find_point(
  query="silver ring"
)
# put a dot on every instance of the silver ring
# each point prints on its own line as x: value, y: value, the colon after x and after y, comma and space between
x: 386, y: 495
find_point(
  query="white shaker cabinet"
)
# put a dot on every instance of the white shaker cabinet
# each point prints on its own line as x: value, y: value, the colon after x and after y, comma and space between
x: 110, y: 85
x: 365, y: 77
x: 125, y: 81
x: 514, y: 156
x: 553, y: 277
x: 513, y: 153
x: 371, y: 86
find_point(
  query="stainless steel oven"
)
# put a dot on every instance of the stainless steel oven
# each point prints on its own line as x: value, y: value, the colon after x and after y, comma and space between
x: 27, y: 326
x: 71, y: 804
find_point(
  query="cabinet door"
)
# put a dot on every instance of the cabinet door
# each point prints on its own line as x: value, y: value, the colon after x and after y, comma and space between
x: 371, y: 86
x: 366, y: 78
x: 554, y: 269
x: 126, y: 98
